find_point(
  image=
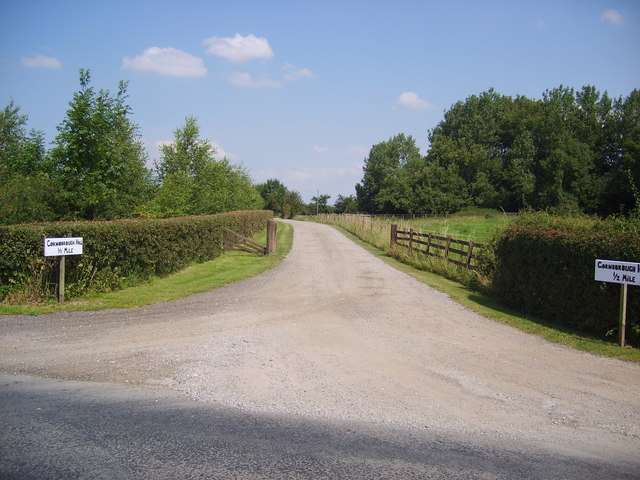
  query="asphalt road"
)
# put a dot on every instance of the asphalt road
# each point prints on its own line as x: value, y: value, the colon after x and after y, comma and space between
x: 66, y: 430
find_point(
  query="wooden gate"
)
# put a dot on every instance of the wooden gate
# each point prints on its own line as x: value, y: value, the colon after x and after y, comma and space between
x: 234, y: 242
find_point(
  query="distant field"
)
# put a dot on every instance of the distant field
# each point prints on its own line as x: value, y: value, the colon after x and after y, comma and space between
x: 479, y: 225
x: 479, y: 228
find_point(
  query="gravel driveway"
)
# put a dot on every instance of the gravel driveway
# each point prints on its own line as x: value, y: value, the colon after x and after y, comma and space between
x: 334, y: 333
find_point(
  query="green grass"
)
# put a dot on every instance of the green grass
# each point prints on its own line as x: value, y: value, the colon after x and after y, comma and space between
x: 228, y: 268
x: 479, y: 228
x: 489, y: 307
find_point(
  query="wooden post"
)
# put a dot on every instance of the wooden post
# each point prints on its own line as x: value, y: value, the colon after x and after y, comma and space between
x: 623, y: 314
x: 61, y: 279
x: 272, y: 227
x: 429, y: 243
x: 446, y: 251
x: 411, y: 239
x: 469, y: 253
x: 394, y: 234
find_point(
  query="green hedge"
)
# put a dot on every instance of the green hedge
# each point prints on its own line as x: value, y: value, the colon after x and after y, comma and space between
x: 114, y: 253
x: 544, y: 265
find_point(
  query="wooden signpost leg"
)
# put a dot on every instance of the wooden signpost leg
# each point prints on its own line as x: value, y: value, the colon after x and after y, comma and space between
x: 623, y: 313
x: 61, y: 280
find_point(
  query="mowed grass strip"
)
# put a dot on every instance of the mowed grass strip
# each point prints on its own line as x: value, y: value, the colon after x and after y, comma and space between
x: 228, y: 268
x: 491, y: 308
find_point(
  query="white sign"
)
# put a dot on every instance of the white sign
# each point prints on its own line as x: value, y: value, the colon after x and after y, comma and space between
x: 614, y: 271
x: 60, y: 247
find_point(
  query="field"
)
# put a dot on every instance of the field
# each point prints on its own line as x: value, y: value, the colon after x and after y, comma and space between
x: 471, y: 224
x: 479, y: 228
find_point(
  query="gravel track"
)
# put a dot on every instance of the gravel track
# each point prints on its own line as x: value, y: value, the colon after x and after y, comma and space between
x: 334, y: 333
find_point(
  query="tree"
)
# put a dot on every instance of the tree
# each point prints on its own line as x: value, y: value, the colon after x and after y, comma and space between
x: 273, y: 193
x: 319, y: 204
x: 376, y: 191
x: 292, y: 204
x: 622, y: 156
x: 346, y: 204
x: 277, y: 197
x: 193, y: 182
x: 98, y: 155
x: 27, y: 191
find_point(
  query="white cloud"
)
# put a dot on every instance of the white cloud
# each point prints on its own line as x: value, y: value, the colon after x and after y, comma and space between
x: 243, y: 79
x: 319, y: 149
x: 40, y: 61
x: 412, y: 100
x: 612, y: 16
x: 222, y: 153
x: 293, y: 73
x: 239, y: 49
x: 167, y: 61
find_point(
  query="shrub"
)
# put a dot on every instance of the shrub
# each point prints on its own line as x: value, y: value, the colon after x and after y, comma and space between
x: 113, y: 252
x: 544, y: 265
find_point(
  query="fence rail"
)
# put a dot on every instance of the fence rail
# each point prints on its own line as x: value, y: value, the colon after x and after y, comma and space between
x: 234, y: 242
x: 459, y: 252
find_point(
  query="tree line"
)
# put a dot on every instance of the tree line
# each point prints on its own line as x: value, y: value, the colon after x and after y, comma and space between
x: 96, y: 168
x: 569, y: 152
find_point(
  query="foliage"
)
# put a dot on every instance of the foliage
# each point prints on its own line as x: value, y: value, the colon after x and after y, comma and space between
x: 381, y: 182
x: 571, y: 151
x: 96, y: 168
x: 544, y: 265
x: 196, y: 278
x: 277, y: 197
x: 347, y: 204
x: 98, y: 157
x: 114, y: 252
x: 27, y: 192
x: 193, y: 182
x: 319, y: 204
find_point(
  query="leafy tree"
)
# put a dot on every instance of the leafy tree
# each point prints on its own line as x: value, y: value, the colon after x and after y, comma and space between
x: 277, y: 197
x: 346, y: 204
x: 319, y: 204
x: 571, y: 151
x: 376, y: 191
x: 27, y: 191
x: 98, y: 155
x: 622, y: 156
x: 273, y: 193
x: 292, y: 204
x: 193, y: 182
x: 20, y: 154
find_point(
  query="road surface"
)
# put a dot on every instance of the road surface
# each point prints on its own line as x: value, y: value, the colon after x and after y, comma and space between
x: 333, y: 357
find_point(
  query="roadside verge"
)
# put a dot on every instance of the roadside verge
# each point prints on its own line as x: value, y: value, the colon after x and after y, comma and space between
x: 197, y: 278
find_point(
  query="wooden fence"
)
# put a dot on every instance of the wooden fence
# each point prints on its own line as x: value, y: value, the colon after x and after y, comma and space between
x: 455, y: 251
x: 234, y: 242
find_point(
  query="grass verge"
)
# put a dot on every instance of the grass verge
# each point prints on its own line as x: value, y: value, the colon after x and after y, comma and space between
x: 228, y: 268
x: 491, y: 308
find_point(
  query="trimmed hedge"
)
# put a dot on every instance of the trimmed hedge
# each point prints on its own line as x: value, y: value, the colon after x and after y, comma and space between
x: 114, y: 252
x: 544, y: 265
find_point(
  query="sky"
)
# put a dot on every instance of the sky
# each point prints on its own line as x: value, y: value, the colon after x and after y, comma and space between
x: 301, y: 90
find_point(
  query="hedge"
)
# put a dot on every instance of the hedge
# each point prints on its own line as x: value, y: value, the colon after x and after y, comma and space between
x: 115, y: 252
x: 544, y: 265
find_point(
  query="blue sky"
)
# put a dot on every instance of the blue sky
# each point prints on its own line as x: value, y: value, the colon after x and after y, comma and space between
x: 299, y: 90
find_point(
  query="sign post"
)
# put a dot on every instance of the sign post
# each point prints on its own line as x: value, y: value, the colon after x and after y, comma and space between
x: 624, y: 273
x: 61, y: 247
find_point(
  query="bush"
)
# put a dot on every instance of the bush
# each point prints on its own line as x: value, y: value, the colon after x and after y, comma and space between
x: 544, y: 265
x: 113, y: 252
